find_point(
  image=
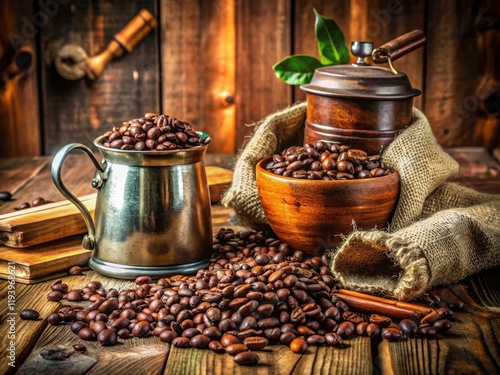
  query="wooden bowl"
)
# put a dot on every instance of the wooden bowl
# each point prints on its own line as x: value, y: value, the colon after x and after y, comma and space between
x: 311, y: 215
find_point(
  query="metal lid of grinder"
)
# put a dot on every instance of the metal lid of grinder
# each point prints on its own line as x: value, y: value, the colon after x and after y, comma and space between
x: 363, y: 81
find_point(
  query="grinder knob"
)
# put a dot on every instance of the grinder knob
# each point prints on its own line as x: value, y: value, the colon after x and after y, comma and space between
x: 361, y: 50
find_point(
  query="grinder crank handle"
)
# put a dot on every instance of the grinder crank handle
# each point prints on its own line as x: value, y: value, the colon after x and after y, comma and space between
x: 123, y: 41
x: 398, y: 47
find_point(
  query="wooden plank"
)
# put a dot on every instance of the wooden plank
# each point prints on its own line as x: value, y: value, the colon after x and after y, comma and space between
x: 44, y: 259
x: 262, y: 39
x: 19, y: 110
x: 354, y: 358
x: 475, y: 163
x: 198, y: 67
x: 79, y: 111
x: 454, y: 73
x: 470, y: 347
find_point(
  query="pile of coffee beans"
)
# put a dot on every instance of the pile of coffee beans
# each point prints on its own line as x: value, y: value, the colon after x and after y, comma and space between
x: 255, y: 292
x: 153, y: 133
x: 326, y: 161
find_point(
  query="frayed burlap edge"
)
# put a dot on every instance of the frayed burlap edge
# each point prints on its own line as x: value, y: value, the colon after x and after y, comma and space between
x: 407, y: 276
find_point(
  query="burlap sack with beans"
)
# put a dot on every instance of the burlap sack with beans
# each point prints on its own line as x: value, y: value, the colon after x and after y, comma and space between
x: 440, y: 233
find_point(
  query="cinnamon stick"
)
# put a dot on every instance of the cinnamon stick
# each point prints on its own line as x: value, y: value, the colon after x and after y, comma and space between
x: 381, y: 308
x: 410, y: 306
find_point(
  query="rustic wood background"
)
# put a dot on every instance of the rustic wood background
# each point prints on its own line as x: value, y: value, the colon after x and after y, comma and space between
x: 209, y: 62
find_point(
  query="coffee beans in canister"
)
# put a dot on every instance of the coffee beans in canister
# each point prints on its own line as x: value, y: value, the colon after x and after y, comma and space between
x: 326, y: 161
x: 153, y: 132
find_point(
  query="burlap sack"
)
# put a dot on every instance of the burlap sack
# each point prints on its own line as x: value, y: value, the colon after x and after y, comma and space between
x: 440, y: 232
x: 242, y: 195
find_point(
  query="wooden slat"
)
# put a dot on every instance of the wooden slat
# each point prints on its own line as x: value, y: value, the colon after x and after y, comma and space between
x: 198, y: 67
x: 454, y: 71
x: 19, y: 111
x: 354, y: 358
x: 468, y: 348
x: 79, y: 111
x: 262, y: 39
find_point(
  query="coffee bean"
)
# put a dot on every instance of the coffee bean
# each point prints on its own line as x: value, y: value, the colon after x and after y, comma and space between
x: 5, y: 196
x: 442, y: 325
x: 216, y: 347
x: 234, y: 349
x: 28, y: 314
x: 361, y: 328
x: 141, y: 329
x: 38, y: 202
x: 409, y: 327
x: 392, y: 334
x: 54, y: 319
x: 346, y: 329
x: 141, y: 280
x: 22, y: 206
x: 255, y: 342
x: 60, y: 287
x: 87, y: 334
x: 107, y: 337
x: 181, y: 342
x: 246, y: 359
x: 80, y: 348
x: 333, y: 339
x: 55, y: 296
x: 199, y: 341
x: 228, y: 339
x: 77, y: 326
x: 316, y: 340
x: 167, y: 336
x: 353, y: 317
x: 381, y: 320
x: 74, y: 295
x: 298, y: 345
x: 430, y: 318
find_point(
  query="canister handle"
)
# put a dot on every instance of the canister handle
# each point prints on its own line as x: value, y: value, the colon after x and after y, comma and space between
x: 89, y: 239
x: 398, y: 47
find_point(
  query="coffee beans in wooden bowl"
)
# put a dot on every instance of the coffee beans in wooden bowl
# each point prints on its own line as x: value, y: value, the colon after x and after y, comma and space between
x: 153, y: 132
x: 326, y: 161
x: 312, y: 195
x: 255, y: 292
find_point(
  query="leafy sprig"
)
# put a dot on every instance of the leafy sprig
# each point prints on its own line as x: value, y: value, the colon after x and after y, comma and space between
x: 332, y: 48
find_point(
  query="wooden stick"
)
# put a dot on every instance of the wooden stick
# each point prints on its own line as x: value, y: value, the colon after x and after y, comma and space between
x: 410, y: 306
x: 376, y: 307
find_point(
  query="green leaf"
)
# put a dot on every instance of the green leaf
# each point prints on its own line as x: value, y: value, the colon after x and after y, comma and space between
x: 296, y: 69
x: 332, y: 46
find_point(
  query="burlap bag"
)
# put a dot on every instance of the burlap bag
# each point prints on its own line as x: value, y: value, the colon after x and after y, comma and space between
x: 440, y: 233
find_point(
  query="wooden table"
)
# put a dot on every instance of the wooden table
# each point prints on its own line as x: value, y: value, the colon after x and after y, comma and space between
x: 471, y: 347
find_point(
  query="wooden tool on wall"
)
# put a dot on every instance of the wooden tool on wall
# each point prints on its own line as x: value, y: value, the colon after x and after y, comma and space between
x: 72, y: 61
